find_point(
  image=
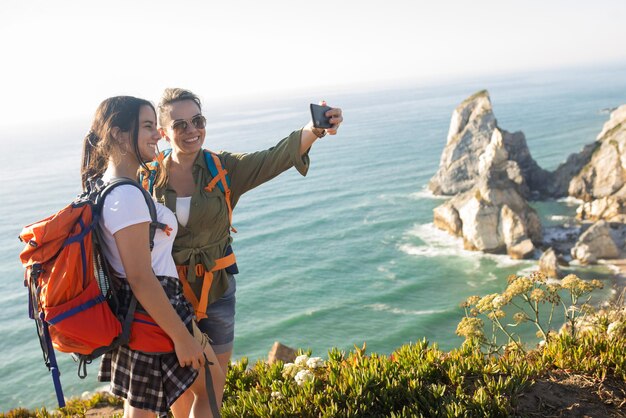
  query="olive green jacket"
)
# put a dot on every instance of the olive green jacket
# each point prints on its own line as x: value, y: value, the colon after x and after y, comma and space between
x: 206, y: 236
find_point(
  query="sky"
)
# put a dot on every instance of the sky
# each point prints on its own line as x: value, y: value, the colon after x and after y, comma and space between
x: 61, y: 58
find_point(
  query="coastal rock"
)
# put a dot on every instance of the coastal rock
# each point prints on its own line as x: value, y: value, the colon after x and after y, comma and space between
x: 470, y: 131
x: 468, y: 152
x: 480, y: 221
x: 549, y: 264
x: 280, y: 352
x: 493, y: 214
x: 605, y: 173
x: 513, y: 231
x: 609, y: 208
x: 446, y: 217
x: 597, y: 242
x: 557, y: 183
x: 492, y: 217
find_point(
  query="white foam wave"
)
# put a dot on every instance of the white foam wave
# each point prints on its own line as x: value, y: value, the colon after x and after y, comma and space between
x: 385, y: 271
x: 570, y: 200
x: 438, y: 243
x: 491, y: 277
x: 382, y: 307
x: 427, y: 251
x: 503, y: 261
x: 526, y: 271
x: 433, y: 236
x: 425, y: 193
x: 560, y: 218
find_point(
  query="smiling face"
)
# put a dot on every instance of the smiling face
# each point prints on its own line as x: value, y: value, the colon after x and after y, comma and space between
x: 189, y: 139
x: 148, y: 136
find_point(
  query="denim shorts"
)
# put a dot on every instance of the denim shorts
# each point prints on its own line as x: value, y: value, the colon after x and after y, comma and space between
x: 220, y: 322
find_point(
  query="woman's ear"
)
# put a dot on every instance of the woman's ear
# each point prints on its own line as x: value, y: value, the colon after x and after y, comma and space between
x: 118, y: 135
x: 115, y: 133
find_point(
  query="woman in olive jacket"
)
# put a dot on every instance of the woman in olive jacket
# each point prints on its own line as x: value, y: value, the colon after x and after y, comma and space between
x: 203, y: 205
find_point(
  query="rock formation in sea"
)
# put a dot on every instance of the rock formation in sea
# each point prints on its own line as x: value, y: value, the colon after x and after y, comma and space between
x: 471, y: 130
x: 489, y: 174
x: 488, y: 170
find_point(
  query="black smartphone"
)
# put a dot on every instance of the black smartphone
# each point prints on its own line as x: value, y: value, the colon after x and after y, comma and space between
x: 317, y: 115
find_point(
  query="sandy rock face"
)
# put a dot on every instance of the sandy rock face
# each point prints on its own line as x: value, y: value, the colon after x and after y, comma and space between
x: 604, y: 176
x: 492, y: 215
x: 595, y: 243
x: 549, y: 264
x: 473, y: 128
x: 470, y: 131
x: 609, y: 208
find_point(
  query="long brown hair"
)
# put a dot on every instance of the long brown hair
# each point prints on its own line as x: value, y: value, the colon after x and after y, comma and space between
x: 115, y: 112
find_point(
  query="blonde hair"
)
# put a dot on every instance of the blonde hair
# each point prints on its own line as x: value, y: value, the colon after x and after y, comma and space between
x: 173, y: 95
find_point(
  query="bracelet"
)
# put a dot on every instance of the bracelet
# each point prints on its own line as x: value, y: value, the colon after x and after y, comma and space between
x: 318, y: 132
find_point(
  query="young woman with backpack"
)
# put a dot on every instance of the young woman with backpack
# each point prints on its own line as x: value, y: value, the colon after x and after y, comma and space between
x: 202, y: 188
x: 122, y: 137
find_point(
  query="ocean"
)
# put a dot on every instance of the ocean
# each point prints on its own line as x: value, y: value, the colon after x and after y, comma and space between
x: 347, y: 254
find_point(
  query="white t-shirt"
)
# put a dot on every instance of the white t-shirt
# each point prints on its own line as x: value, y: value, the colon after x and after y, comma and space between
x: 124, y: 206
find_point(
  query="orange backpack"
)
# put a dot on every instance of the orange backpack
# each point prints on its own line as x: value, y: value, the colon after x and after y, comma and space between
x: 72, y: 296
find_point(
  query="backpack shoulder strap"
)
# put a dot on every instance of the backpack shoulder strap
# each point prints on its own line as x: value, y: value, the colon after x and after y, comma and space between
x: 221, y: 179
x: 108, y: 187
x: 219, y: 174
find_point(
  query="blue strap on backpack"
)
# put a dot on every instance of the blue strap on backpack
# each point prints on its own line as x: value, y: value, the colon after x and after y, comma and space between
x: 154, y: 164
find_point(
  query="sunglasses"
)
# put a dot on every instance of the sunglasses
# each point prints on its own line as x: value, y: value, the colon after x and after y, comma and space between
x: 181, y: 125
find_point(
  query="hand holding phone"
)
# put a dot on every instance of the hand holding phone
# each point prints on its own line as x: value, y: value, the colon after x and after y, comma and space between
x: 318, y: 115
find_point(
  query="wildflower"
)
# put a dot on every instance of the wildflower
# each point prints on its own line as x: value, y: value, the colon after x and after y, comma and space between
x: 472, y: 300
x: 570, y: 282
x: 474, y: 312
x: 500, y: 301
x: 539, y: 334
x: 486, y: 303
x: 301, y: 360
x: 470, y: 328
x: 511, y: 278
x: 493, y: 315
x: 597, y: 284
x: 520, y: 286
x: 290, y: 370
x: 520, y: 317
x: 277, y: 395
x: 553, y: 293
x: 538, y: 277
x: 315, y: 362
x: 537, y: 295
x: 304, y: 376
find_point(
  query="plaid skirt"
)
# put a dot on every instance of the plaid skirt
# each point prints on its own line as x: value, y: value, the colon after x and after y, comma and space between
x: 149, y: 381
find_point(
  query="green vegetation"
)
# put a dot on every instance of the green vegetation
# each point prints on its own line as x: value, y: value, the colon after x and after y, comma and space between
x: 486, y: 376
